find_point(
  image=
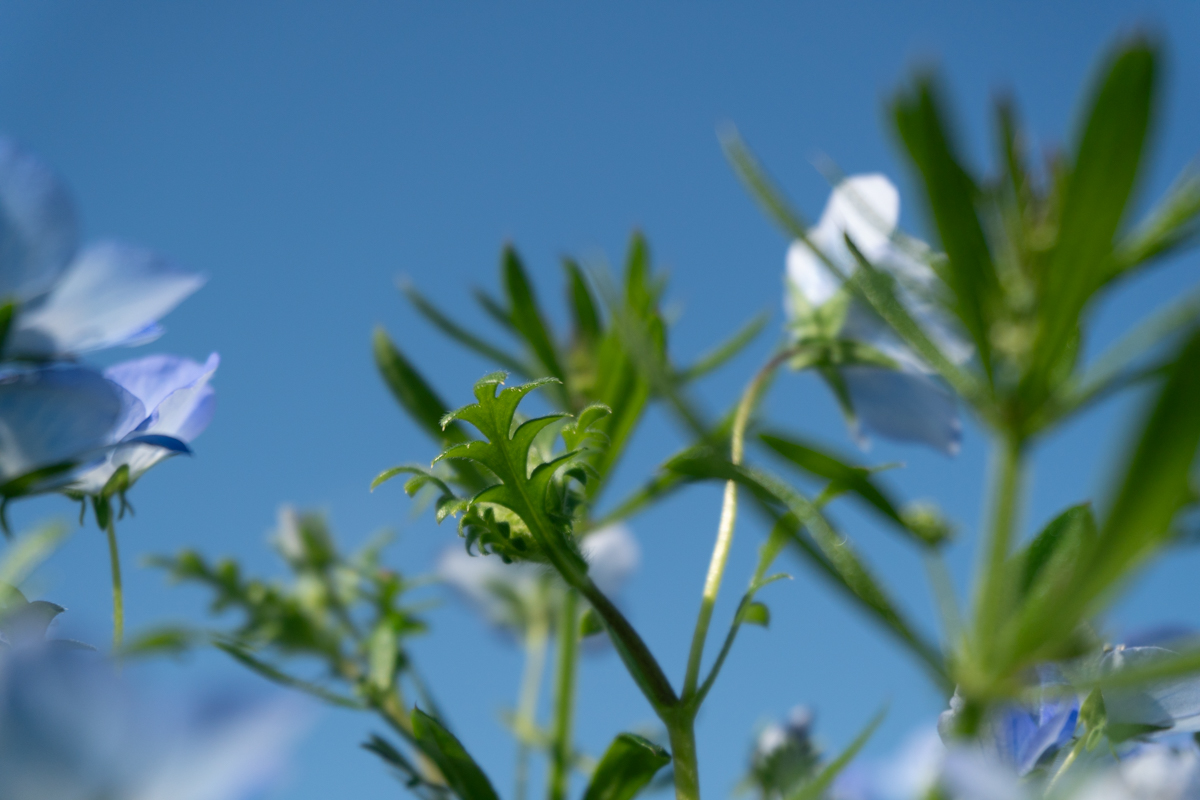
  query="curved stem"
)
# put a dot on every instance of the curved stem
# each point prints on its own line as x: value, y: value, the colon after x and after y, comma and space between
x: 118, y: 595
x: 564, y: 697
x: 720, y: 554
x: 527, y: 700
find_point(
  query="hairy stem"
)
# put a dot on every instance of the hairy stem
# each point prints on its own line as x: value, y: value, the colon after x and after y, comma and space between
x: 527, y: 701
x: 118, y: 595
x: 564, y: 697
x: 720, y: 553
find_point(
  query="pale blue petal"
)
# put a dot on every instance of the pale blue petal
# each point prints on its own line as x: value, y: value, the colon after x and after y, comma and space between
x: 905, y: 406
x: 38, y: 228
x: 58, y: 414
x: 968, y: 774
x: 181, y: 405
x: 1055, y: 728
x: 112, y: 294
x: 1170, y: 704
x: 152, y: 379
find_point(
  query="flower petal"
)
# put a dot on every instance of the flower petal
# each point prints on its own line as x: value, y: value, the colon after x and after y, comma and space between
x: 612, y: 555
x: 38, y: 227
x: 57, y: 414
x: 111, y: 294
x: 905, y: 406
x: 1172, y: 704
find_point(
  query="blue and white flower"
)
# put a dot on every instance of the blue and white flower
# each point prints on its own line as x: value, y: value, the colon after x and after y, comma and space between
x: 883, y: 387
x: 70, y: 300
x: 71, y: 729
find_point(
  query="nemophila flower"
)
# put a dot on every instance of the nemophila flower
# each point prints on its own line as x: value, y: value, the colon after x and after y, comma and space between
x: 882, y: 386
x: 508, y: 594
x: 1160, y: 707
x: 24, y: 623
x: 1021, y: 738
x: 55, y: 419
x: 912, y: 774
x: 71, y: 729
x: 175, y: 402
x: 71, y: 300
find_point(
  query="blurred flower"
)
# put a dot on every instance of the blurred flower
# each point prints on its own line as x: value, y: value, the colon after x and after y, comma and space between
x: 1017, y: 737
x: 1166, y: 706
x: 174, y: 402
x: 1150, y: 772
x: 509, y: 594
x: 910, y: 775
x: 70, y: 729
x: 882, y: 385
x: 54, y: 419
x: 24, y: 623
x: 73, y: 301
x: 784, y: 755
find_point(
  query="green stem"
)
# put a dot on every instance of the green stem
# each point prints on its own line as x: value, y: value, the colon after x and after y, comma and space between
x: 1005, y: 500
x: 725, y: 528
x: 682, y: 733
x: 118, y: 596
x: 531, y: 682
x: 564, y: 697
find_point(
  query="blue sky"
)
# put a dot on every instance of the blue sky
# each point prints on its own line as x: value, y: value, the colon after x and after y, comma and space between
x: 304, y: 155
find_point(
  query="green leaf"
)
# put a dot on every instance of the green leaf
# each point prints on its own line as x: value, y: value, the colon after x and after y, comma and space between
x: 845, y: 477
x: 816, y: 788
x: 1101, y: 182
x: 1057, y: 548
x: 722, y: 353
x: 628, y: 764
x: 1171, y: 224
x: 833, y: 553
x: 169, y: 640
x: 590, y: 624
x: 1154, y: 488
x: 951, y: 196
x: 7, y: 310
x: 588, y: 325
x: 383, y: 649
x: 757, y: 614
x: 464, y: 337
x: 463, y: 775
x: 412, y: 391
x: 243, y: 656
x: 526, y: 317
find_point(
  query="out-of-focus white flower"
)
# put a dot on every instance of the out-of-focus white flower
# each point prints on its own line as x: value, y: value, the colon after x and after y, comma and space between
x: 507, y: 594
x: 886, y: 389
x: 1171, y: 705
x: 71, y: 729
x: 909, y: 775
x: 1154, y: 771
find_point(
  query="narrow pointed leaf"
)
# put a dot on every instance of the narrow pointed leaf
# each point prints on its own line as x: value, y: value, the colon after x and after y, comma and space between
x: 526, y: 316
x: 462, y: 774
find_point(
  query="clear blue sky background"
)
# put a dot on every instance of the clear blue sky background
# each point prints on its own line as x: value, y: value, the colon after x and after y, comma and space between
x: 304, y: 155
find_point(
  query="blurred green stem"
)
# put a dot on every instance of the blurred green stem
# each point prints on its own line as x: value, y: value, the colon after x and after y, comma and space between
x: 118, y: 595
x: 1006, y: 479
x: 564, y: 697
x: 531, y: 681
x: 683, y: 756
x: 720, y: 554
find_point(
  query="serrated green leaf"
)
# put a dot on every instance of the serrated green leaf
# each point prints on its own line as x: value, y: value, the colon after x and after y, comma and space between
x: 628, y: 764
x: 462, y: 774
x: 950, y: 194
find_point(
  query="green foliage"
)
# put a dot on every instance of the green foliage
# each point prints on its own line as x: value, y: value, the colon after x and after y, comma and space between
x: 462, y: 774
x: 628, y: 765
